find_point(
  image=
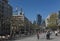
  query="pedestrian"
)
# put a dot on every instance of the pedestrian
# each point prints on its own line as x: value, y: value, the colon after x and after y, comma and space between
x: 37, y: 35
x: 56, y: 33
x: 48, y: 35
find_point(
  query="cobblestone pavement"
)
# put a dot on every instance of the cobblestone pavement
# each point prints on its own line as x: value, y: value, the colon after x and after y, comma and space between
x: 42, y: 38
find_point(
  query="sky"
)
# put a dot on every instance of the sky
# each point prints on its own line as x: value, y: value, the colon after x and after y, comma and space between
x: 33, y: 7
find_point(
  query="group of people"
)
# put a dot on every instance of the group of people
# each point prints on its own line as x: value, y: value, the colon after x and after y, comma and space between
x: 48, y: 34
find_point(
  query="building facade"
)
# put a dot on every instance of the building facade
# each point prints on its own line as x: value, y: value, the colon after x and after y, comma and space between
x: 5, y: 16
x: 39, y: 19
x: 17, y: 22
x: 20, y: 23
x: 59, y: 15
x: 46, y: 20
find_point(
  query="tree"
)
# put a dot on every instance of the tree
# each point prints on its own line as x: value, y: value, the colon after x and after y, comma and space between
x: 52, y: 21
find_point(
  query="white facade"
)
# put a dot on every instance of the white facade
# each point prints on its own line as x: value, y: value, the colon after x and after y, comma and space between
x: 46, y: 20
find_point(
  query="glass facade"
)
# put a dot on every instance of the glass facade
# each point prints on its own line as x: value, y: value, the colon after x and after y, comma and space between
x: 39, y: 19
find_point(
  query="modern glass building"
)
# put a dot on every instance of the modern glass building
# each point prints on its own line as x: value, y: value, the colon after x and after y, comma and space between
x: 39, y: 19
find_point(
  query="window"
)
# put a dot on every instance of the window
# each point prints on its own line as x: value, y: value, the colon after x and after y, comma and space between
x: 0, y: 0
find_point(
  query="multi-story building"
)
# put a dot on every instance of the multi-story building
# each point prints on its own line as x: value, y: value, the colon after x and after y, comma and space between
x: 20, y: 23
x: 59, y: 15
x: 39, y: 19
x: 46, y: 20
x: 17, y: 22
x: 5, y: 16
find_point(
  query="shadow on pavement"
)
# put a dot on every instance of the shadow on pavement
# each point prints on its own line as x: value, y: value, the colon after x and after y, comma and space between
x: 51, y: 39
x: 48, y: 39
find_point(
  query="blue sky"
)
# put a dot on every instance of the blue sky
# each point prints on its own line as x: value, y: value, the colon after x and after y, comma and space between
x: 34, y: 7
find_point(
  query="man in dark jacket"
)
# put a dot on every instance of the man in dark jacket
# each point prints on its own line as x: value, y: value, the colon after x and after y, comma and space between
x: 48, y: 35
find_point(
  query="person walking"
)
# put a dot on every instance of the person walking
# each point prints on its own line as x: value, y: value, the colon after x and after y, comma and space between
x: 38, y: 35
x: 48, y: 35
